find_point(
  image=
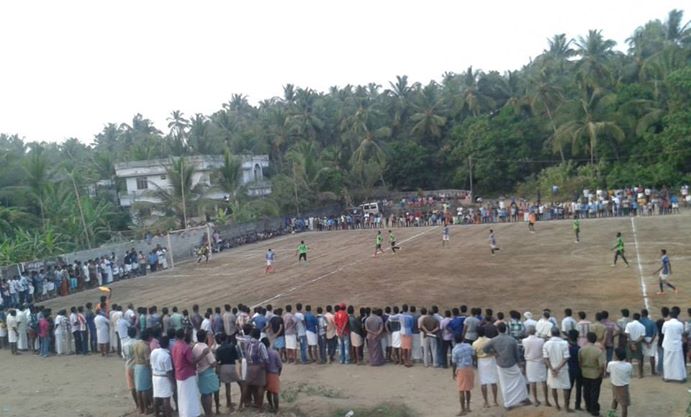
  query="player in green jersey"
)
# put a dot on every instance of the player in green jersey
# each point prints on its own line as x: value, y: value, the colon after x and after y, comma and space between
x: 377, y: 243
x: 392, y: 241
x: 619, y: 250
x: 302, y: 252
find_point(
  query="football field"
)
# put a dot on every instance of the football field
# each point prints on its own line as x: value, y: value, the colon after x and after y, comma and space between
x: 532, y: 271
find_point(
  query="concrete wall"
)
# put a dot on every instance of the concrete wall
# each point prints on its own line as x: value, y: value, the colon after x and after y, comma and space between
x: 180, y: 244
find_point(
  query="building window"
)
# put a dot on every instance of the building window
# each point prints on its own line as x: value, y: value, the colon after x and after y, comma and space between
x: 257, y: 172
x: 163, y: 177
x: 142, y: 183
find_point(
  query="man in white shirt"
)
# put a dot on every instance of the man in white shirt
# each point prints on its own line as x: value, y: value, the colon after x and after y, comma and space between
x: 115, y: 316
x: 14, y: 292
x: 543, y: 328
x: 568, y: 322
x: 556, y: 355
x: 301, y: 332
x: 535, y: 370
x: 85, y: 274
x: 620, y: 376
x: 23, y: 290
x: 129, y: 314
x: 635, y: 332
x: 12, y: 332
x: 102, y: 332
x: 121, y: 327
x: 673, y: 367
x: 23, y: 317
x: 162, y: 376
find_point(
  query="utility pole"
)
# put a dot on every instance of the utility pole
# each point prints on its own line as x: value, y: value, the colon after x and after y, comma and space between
x: 81, y: 211
x: 295, y: 189
x: 470, y: 174
x: 182, y: 191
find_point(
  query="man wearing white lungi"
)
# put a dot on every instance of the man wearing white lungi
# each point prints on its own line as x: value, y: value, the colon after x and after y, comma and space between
x: 115, y: 316
x: 61, y: 331
x: 12, y: 332
x: 102, y: 331
x: 511, y: 379
x: 556, y: 354
x: 22, y: 325
x: 185, y: 365
x: 535, y: 368
x: 486, y: 366
x: 674, y: 368
x: 162, y: 379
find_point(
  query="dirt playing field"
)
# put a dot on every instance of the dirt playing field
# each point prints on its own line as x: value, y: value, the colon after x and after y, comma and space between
x: 546, y: 269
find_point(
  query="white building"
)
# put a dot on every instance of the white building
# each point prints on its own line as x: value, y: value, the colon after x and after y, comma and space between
x: 143, y: 178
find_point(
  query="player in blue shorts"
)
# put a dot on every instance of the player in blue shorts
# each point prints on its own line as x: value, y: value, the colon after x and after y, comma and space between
x: 664, y: 271
x: 270, y: 255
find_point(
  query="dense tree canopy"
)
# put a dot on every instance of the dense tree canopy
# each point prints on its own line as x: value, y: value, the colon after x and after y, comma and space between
x: 580, y: 111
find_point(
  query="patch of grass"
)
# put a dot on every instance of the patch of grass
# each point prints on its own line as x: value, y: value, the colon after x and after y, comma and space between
x: 291, y: 393
x: 380, y: 410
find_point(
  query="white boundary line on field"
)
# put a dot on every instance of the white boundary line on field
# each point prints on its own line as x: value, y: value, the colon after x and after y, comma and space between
x: 339, y: 269
x: 644, y: 291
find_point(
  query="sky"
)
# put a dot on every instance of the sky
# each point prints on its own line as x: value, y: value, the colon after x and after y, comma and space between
x: 69, y: 67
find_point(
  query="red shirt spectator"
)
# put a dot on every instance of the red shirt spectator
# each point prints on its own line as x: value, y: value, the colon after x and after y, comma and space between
x: 43, y: 327
x: 183, y: 360
x: 341, y: 320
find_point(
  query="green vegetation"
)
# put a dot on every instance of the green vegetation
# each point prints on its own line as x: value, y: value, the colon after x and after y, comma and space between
x: 579, y: 114
x: 290, y: 394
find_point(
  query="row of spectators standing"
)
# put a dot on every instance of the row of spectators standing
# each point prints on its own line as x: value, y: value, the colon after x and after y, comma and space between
x: 456, y: 208
x: 63, y: 279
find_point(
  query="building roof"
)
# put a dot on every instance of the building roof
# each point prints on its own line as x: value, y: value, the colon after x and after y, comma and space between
x: 201, y: 162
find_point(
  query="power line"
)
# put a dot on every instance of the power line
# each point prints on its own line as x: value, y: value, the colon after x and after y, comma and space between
x: 550, y: 161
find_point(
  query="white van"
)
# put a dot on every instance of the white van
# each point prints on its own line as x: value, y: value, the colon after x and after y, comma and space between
x: 370, y: 208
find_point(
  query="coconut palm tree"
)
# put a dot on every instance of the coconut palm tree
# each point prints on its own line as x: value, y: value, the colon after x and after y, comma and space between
x: 676, y: 31
x: 11, y: 218
x: 589, y: 124
x: 277, y: 134
x: 427, y: 117
x: 225, y: 126
x: 289, y: 93
x: 308, y: 173
x: 302, y: 120
x: 473, y: 100
x: 200, y: 136
x: 108, y: 140
x: 181, y: 198
x: 596, y: 53
x: 178, y: 126
x: 37, y: 172
x: 230, y: 175
x: 545, y: 95
x: 362, y: 131
x: 558, y: 53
